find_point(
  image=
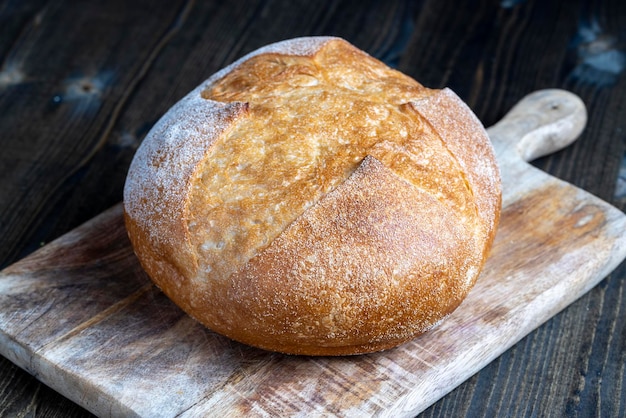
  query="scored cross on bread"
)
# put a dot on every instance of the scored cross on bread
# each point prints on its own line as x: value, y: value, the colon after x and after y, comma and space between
x: 309, y: 199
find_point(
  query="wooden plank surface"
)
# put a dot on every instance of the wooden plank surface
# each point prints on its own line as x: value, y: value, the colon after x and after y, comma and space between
x: 64, y: 155
x: 81, y: 315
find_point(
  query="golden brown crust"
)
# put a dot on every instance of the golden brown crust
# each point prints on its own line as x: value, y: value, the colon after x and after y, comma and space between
x: 355, y: 269
x: 310, y: 200
x: 465, y: 137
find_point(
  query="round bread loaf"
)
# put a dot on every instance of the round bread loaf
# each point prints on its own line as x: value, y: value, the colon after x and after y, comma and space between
x: 308, y: 199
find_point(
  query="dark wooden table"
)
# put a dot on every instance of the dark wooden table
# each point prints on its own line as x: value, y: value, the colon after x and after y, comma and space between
x: 82, y: 82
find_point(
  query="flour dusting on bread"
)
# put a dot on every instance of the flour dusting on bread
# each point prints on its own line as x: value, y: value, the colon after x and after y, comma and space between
x: 308, y: 199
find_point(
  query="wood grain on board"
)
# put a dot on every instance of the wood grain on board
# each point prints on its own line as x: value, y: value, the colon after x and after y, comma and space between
x: 81, y: 315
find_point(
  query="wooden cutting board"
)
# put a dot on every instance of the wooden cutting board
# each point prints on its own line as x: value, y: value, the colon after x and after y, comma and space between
x: 81, y: 315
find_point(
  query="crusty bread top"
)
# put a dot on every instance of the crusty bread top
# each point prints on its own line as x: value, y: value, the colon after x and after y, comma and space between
x: 309, y: 123
x: 310, y: 142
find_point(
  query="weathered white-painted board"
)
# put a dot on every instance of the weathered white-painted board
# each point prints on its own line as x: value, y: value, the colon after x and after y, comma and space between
x: 81, y: 315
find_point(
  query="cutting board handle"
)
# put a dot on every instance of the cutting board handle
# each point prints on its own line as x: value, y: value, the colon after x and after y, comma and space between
x: 541, y: 123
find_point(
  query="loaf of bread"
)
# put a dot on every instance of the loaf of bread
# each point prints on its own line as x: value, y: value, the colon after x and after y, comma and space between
x: 308, y: 199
